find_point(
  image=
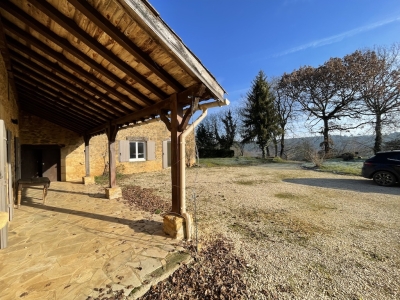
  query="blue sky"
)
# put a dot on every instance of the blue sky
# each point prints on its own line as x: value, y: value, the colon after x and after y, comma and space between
x: 236, y: 38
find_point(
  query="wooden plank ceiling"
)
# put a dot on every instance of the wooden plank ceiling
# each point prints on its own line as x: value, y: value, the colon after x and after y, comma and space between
x: 87, y: 64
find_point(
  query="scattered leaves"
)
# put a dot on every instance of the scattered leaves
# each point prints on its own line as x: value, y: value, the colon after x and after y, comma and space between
x: 216, y: 273
x: 145, y: 199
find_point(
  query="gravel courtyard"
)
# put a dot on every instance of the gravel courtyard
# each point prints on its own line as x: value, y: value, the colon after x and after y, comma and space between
x: 304, y: 234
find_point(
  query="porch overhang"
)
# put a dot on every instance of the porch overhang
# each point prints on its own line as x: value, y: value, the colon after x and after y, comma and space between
x: 89, y: 65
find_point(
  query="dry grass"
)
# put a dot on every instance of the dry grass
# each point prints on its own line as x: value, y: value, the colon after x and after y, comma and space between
x: 304, y: 235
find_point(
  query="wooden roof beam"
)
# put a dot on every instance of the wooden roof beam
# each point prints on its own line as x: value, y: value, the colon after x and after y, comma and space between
x: 133, y: 117
x: 63, y: 60
x: 40, y: 103
x: 59, y: 84
x: 63, y: 43
x: 103, y: 23
x: 153, y: 25
x: 92, y: 101
x: 36, y: 89
x: 54, y: 112
x: 58, y: 120
x: 73, y: 28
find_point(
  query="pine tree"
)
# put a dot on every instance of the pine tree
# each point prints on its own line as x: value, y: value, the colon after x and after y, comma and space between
x: 260, y: 121
x: 229, y: 126
x: 205, y: 137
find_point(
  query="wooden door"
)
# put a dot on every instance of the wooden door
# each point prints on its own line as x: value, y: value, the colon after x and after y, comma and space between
x: 50, y: 163
x: 31, y: 160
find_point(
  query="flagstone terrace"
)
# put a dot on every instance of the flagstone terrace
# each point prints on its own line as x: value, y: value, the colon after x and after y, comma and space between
x: 80, y: 242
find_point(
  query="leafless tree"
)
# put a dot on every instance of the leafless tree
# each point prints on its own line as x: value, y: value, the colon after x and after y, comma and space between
x: 285, y: 107
x: 328, y: 94
x: 380, y: 88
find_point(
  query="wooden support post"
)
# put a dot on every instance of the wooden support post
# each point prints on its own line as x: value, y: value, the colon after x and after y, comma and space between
x: 176, y: 119
x: 112, y: 134
x: 87, y: 155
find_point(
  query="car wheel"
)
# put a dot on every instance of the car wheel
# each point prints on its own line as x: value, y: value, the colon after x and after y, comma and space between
x: 384, y: 178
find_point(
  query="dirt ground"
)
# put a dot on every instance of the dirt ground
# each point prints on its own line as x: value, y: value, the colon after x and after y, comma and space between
x: 304, y: 234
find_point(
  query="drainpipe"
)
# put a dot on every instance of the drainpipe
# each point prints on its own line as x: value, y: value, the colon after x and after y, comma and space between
x: 182, y: 140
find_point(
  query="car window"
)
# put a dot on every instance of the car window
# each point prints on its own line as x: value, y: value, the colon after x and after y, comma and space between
x: 389, y: 156
x: 397, y: 156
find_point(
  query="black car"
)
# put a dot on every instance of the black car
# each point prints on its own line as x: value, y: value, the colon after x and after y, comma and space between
x: 384, y: 168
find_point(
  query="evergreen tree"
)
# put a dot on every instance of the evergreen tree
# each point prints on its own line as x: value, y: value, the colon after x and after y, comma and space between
x: 205, y: 137
x: 259, y: 114
x: 229, y: 125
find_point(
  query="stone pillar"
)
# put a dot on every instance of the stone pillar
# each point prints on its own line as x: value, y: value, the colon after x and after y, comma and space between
x: 87, y: 179
x: 112, y: 192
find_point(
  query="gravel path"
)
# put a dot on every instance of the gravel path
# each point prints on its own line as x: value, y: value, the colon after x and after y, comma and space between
x: 304, y: 234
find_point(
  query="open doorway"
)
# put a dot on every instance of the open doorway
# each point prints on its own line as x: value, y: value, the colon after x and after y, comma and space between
x: 40, y: 161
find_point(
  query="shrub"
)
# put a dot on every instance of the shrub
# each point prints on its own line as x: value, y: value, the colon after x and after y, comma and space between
x: 210, y: 153
x: 348, y: 156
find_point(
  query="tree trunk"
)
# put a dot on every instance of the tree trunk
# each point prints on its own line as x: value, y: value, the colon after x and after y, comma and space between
x: 262, y: 151
x: 327, y: 148
x: 282, y: 145
x: 378, y: 133
x: 276, y: 146
x: 268, y: 151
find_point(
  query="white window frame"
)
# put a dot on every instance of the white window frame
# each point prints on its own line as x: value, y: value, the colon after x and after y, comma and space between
x: 135, y: 143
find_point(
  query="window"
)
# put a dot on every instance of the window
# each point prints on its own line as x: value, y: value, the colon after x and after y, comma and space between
x: 131, y: 151
x: 137, y: 151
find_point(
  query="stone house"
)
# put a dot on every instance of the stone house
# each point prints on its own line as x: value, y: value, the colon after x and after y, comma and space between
x: 61, y: 157
x: 88, y: 87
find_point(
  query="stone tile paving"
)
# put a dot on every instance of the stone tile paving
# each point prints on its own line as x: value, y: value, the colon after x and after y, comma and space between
x: 78, y: 242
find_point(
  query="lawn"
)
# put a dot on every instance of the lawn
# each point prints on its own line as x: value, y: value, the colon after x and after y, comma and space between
x: 339, y: 166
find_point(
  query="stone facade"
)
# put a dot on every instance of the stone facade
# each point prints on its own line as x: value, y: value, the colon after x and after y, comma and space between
x: 9, y: 114
x: 36, y: 131
x: 32, y: 130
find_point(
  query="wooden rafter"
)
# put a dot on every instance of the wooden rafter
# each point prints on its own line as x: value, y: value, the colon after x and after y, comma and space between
x: 90, y: 67
x: 54, y: 105
x: 73, y: 28
x: 64, y: 44
x: 75, y: 68
x: 51, y: 83
x: 51, y: 113
x: 102, y: 107
x: 41, y: 91
x: 51, y: 116
x: 103, y: 23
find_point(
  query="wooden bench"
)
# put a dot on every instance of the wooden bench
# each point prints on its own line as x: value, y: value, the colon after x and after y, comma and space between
x: 40, y: 181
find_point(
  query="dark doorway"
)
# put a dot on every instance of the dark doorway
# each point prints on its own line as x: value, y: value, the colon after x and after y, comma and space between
x: 40, y: 161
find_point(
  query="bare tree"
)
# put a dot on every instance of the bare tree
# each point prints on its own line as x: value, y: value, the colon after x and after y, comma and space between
x: 328, y: 94
x: 380, y: 88
x: 285, y: 107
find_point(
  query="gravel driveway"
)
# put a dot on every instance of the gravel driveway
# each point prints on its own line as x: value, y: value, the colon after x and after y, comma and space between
x: 304, y: 234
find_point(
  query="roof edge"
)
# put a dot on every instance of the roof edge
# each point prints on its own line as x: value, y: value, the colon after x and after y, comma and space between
x: 147, y: 16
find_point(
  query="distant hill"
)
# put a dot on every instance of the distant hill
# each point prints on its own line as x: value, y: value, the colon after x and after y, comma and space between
x: 296, y: 148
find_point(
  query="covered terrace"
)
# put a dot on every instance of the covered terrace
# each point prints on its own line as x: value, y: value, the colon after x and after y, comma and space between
x: 95, y: 67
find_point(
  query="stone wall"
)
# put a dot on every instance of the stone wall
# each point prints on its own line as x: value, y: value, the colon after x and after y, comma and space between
x: 36, y: 131
x: 8, y: 111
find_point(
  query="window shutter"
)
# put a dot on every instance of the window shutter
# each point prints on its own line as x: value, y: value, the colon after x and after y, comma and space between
x: 165, y: 154
x: 17, y: 148
x: 10, y: 177
x: 123, y: 151
x: 151, y: 150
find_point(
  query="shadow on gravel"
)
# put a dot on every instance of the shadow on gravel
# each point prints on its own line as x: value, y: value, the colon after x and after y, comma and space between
x: 364, y: 186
